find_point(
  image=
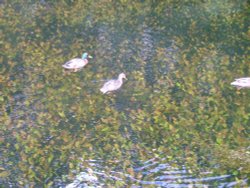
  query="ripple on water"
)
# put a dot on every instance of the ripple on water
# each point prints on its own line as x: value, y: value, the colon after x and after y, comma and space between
x: 153, y: 172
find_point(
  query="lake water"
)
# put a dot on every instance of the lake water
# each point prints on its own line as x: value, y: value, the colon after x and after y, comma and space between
x: 176, y: 122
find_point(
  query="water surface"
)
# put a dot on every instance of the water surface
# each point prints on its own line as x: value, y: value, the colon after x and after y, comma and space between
x: 176, y: 121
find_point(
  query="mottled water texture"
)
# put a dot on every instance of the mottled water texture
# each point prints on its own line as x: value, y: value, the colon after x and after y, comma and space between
x: 176, y: 121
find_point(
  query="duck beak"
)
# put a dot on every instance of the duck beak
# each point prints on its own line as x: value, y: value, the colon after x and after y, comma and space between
x: 89, y: 56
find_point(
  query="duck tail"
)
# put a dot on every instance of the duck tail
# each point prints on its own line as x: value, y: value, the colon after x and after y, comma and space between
x: 103, y: 90
x: 64, y: 66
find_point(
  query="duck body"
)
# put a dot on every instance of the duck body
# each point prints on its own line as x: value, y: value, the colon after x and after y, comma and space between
x: 113, y: 84
x: 77, y: 63
x: 241, y: 82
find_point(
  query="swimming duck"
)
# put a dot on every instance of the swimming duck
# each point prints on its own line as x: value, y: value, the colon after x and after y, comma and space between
x: 114, y: 84
x: 77, y: 63
x: 241, y: 83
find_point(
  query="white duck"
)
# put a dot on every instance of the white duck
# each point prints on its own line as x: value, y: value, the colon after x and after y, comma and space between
x: 77, y: 63
x: 114, y: 84
x: 241, y: 82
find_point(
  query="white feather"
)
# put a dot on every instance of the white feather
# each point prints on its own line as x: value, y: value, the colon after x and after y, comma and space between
x: 114, y: 84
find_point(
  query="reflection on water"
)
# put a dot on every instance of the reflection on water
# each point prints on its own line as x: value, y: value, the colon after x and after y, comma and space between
x: 152, y: 173
x: 58, y: 130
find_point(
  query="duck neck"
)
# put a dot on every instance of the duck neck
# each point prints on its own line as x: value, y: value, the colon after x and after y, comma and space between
x: 120, y: 79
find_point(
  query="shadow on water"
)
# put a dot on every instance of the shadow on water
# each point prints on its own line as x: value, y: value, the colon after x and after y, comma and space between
x: 147, y: 54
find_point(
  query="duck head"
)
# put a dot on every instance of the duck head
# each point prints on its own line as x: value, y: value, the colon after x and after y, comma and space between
x: 86, y: 55
x: 121, y: 76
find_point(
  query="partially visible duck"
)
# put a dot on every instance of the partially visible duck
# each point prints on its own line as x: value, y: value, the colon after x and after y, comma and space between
x: 241, y: 83
x: 114, y: 84
x: 77, y: 63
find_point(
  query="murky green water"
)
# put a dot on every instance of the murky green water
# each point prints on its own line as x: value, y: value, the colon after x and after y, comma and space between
x: 176, y: 121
